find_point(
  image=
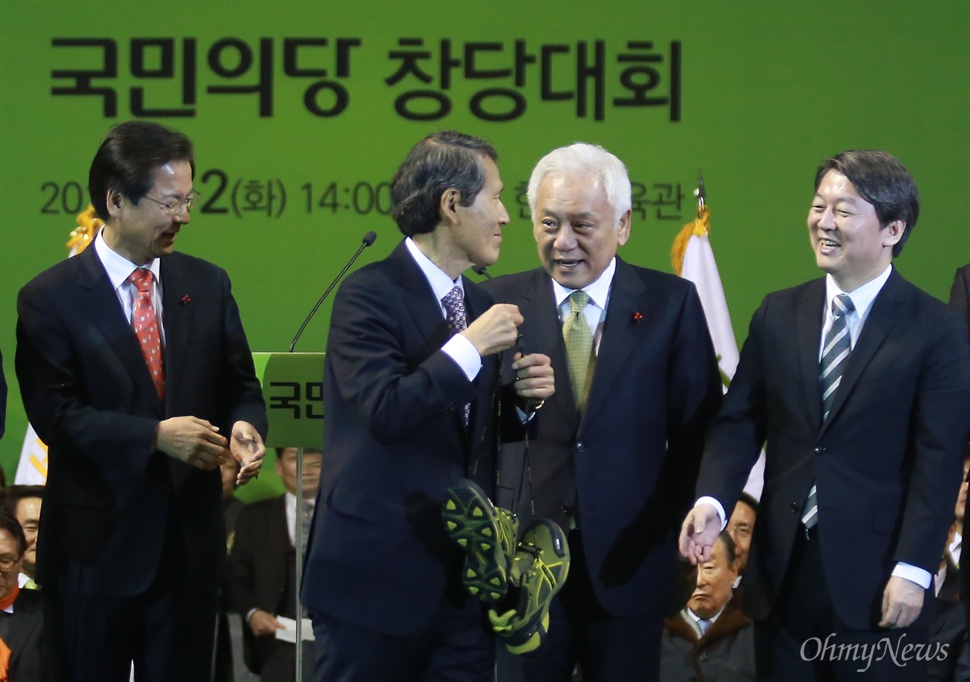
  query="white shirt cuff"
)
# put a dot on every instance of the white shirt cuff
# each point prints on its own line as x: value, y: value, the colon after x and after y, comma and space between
x: 913, y: 574
x: 463, y: 352
x: 717, y: 505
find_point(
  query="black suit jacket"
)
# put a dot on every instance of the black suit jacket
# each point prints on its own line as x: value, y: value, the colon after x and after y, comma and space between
x: 627, y: 467
x: 111, y: 499
x: 394, y: 442
x: 887, y: 461
x: 25, y: 639
x: 257, y: 571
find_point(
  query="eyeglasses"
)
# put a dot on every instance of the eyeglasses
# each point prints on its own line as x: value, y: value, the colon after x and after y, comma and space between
x: 175, y: 207
x: 7, y: 562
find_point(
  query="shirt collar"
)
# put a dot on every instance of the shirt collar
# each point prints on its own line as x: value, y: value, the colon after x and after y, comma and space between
x: 862, y: 297
x: 711, y: 620
x: 117, y: 266
x: 440, y: 282
x: 599, y: 290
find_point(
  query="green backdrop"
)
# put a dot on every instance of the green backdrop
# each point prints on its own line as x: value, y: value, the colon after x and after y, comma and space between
x: 298, y: 102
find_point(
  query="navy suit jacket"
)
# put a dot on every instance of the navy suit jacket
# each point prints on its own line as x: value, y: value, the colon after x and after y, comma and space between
x: 887, y: 461
x: 394, y: 442
x: 629, y: 463
x: 110, y: 499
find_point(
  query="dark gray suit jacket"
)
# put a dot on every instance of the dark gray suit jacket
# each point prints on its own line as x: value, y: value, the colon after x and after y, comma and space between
x: 627, y: 467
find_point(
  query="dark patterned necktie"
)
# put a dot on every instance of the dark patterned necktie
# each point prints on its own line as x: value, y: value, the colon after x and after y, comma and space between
x: 146, y: 327
x: 454, y: 303
x: 835, y: 353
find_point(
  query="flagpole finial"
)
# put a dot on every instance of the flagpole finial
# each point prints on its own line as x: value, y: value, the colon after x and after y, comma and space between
x: 699, y: 192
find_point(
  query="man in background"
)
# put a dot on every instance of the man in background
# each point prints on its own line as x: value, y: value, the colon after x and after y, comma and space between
x: 262, y: 568
x: 24, y: 503
x: 741, y: 528
x: 710, y: 639
x: 21, y: 618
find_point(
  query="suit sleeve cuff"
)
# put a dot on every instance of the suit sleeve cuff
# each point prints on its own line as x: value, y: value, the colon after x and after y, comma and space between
x: 706, y: 499
x: 463, y: 352
x: 913, y: 574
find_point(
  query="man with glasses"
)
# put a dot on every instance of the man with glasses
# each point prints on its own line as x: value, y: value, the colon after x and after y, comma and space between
x: 21, y: 622
x: 135, y: 370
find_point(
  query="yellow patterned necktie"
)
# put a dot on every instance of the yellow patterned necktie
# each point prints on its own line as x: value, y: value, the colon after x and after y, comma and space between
x: 579, y: 346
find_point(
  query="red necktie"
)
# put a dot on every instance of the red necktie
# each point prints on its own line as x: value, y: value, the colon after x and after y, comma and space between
x: 146, y: 327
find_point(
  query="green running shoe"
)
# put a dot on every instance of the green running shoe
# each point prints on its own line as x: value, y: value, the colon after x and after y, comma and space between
x: 539, y: 569
x: 487, y: 536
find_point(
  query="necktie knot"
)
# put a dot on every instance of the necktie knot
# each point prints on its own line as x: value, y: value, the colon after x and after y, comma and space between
x: 577, y: 301
x: 841, y: 306
x: 142, y: 278
x: 454, y: 303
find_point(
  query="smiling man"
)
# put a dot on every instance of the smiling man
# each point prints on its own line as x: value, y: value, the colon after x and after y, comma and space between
x: 859, y: 385
x: 409, y: 388
x: 135, y: 370
x: 615, y: 452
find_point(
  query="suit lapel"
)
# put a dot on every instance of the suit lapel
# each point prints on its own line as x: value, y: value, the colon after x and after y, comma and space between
x: 808, y: 335
x: 178, y: 317
x: 100, y: 304
x: 425, y: 310
x: 627, y: 296
x: 882, y: 318
x: 419, y: 299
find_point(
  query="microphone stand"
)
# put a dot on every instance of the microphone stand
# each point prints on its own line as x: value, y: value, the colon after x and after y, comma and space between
x: 368, y: 239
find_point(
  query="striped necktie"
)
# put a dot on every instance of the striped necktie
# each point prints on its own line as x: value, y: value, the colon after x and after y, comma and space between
x: 835, y: 353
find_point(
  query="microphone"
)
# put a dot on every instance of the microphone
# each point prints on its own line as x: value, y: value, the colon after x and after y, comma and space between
x: 368, y: 239
x: 480, y: 270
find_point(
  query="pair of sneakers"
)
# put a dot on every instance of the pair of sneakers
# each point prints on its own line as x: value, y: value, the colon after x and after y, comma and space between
x: 518, y: 578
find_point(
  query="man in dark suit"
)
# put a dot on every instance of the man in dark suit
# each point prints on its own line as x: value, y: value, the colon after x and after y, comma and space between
x: 262, y: 568
x: 859, y: 383
x: 616, y: 450
x: 135, y: 370
x: 408, y: 395
x: 21, y: 619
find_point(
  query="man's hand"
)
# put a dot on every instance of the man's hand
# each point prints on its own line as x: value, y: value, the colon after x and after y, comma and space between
x: 264, y: 624
x: 496, y: 330
x: 192, y: 440
x: 902, y: 600
x: 535, y: 379
x: 246, y: 446
x: 699, y: 533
